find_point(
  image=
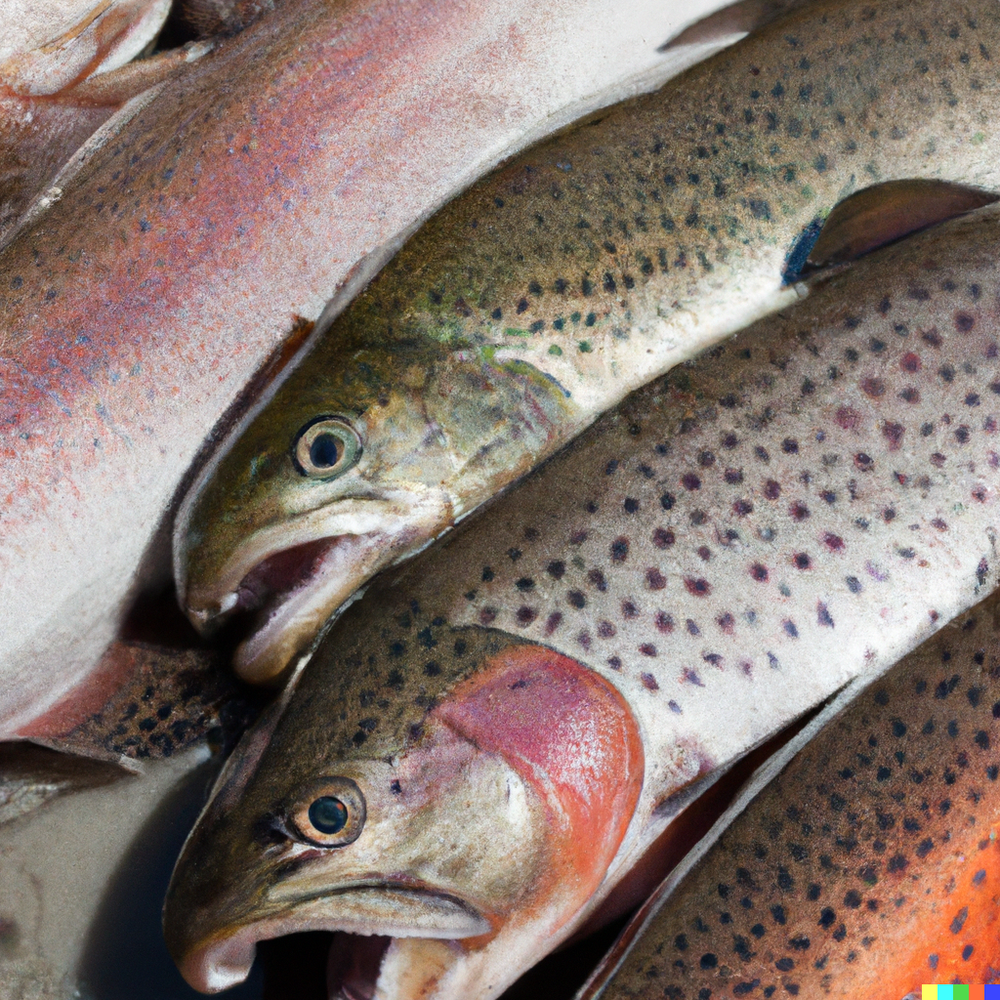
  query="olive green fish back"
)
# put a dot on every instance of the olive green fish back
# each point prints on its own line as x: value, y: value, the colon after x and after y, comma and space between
x: 692, y: 194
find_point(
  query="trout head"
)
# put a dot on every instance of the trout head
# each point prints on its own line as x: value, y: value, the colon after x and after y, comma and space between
x: 359, y: 458
x: 447, y: 823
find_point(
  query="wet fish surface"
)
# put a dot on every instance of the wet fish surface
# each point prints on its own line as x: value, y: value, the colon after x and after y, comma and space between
x: 566, y: 279
x: 139, y: 300
x: 509, y: 722
x: 867, y: 866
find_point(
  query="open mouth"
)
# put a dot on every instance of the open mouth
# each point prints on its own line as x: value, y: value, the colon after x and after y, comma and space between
x: 353, y: 966
x: 280, y: 586
x: 424, y: 923
x: 320, y: 965
x: 283, y: 602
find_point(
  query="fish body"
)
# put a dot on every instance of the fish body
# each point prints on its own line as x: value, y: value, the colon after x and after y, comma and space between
x: 65, y: 70
x: 867, y: 866
x: 572, y: 275
x: 730, y: 546
x: 189, y: 235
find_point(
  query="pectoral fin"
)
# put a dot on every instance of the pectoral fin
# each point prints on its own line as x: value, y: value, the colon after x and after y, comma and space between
x: 736, y: 19
x: 32, y: 775
x: 887, y: 212
x: 111, y: 34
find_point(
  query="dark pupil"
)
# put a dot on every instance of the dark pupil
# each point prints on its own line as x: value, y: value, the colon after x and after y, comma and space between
x: 324, y: 451
x: 328, y: 814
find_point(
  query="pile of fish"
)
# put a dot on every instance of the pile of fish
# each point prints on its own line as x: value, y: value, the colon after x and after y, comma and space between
x: 488, y: 752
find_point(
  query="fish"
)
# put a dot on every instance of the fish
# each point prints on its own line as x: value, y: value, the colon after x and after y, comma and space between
x: 489, y: 741
x: 572, y: 275
x: 157, y: 284
x: 860, y: 862
x: 65, y: 69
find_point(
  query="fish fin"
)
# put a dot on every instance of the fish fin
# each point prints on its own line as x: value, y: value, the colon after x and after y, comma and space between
x: 887, y: 212
x: 736, y: 19
x: 32, y: 775
x: 569, y: 733
x: 144, y: 701
x: 117, y: 86
x: 111, y: 34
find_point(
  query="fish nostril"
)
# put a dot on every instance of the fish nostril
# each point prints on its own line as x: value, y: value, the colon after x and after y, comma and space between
x: 270, y: 829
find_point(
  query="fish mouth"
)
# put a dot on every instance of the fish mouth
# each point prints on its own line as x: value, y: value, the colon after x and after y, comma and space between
x: 354, y: 966
x: 367, y: 920
x: 282, y: 585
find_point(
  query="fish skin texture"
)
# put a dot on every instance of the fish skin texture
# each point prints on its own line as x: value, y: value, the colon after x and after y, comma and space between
x: 261, y: 179
x: 736, y: 541
x: 868, y: 866
x: 43, y: 137
x: 589, y: 265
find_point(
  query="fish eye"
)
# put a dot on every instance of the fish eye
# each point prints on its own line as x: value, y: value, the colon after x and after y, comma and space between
x: 326, y: 447
x: 329, y: 812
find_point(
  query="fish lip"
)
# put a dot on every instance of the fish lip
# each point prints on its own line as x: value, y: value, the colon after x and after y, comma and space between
x: 223, y: 960
x: 340, y: 552
x: 211, y: 602
x: 290, y: 620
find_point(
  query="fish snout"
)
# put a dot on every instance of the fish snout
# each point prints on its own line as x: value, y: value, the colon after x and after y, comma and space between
x: 208, y: 617
x: 289, y: 578
x: 218, y: 964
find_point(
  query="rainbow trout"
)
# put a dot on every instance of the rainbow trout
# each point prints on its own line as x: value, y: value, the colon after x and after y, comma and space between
x: 138, y: 301
x: 560, y: 283
x: 867, y: 866
x: 493, y: 737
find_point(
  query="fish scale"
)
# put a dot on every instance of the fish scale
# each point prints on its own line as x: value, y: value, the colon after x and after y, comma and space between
x: 725, y: 550
x: 869, y: 864
x: 568, y: 278
x: 725, y: 526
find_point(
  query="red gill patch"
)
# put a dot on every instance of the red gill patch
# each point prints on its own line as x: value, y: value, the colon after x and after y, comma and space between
x: 570, y: 734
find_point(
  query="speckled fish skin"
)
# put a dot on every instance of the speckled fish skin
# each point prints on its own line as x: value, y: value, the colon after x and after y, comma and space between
x: 47, y: 50
x: 869, y: 865
x: 56, y: 98
x: 281, y: 167
x: 568, y: 278
x: 726, y: 549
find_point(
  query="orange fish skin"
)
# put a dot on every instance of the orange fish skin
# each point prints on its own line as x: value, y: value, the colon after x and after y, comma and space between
x: 869, y: 865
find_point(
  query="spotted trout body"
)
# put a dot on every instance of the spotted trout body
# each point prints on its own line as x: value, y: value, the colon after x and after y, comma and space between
x: 868, y: 866
x: 726, y: 549
x: 565, y: 280
x: 254, y: 185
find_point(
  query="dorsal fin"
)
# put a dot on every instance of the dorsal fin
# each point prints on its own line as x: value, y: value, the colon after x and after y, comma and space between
x: 736, y: 19
x: 887, y: 212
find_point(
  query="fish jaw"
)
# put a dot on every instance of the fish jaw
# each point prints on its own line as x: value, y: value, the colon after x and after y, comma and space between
x: 309, y: 566
x: 486, y: 838
x: 406, y: 913
x: 395, y: 886
x: 433, y: 445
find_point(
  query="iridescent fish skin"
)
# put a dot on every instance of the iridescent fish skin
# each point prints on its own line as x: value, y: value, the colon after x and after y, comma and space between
x: 584, y: 268
x: 253, y: 186
x: 63, y: 73
x: 723, y: 551
x: 868, y: 866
